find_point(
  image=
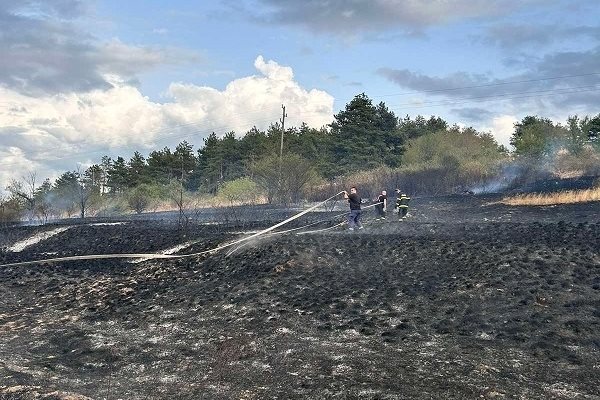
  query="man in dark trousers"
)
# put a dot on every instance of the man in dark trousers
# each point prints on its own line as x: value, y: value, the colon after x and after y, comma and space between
x: 402, y: 204
x: 381, y: 207
x: 354, y: 217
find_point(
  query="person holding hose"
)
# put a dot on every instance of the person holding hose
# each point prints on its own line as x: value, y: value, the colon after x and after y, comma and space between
x: 381, y: 206
x: 402, y: 204
x: 355, y: 212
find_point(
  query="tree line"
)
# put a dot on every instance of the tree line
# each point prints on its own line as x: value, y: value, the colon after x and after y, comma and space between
x: 362, y: 137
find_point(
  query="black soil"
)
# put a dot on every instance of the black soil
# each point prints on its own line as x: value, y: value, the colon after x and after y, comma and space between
x: 462, y: 300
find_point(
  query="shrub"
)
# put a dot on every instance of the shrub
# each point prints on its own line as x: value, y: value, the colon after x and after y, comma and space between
x: 448, y: 161
x: 10, y: 211
x: 140, y: 197
x: 284, y: 182
x: 570, y: 164
x: 239, y: 191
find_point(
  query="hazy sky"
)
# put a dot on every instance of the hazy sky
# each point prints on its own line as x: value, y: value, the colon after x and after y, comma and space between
x: 82, y: 79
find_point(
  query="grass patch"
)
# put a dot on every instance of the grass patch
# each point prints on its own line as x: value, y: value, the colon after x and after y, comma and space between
x: 546, y: 199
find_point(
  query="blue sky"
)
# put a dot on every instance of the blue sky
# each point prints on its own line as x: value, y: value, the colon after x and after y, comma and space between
x: 344, y: 62
x: 88, y: 78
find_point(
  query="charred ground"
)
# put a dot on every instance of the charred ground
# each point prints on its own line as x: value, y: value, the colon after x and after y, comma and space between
x: 460, y: 301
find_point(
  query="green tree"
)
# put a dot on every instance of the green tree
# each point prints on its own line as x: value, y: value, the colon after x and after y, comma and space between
x: 117, y: 176
x: 137, y: 171
x: 210, y: 164
x: 537, y: 137
x: 364, y: 136
x: 590, y: 126
x: 220, y: 160
x: 448, y: 160
x: 88, y: 190
x: 253, y: 146
x: 387, y: 124
x: 65, y: 191
x: 161, y: 164
x: 313, y: 145
x: 105, y: 165
x: 186, y: 162
x: 232, y: 166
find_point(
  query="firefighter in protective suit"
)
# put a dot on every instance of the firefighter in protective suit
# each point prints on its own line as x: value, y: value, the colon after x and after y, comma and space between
x: 402, y: 201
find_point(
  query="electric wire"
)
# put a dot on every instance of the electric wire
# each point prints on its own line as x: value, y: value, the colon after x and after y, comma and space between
x: 536, y: 93
x: 488, y: 85
x: 406, y: 105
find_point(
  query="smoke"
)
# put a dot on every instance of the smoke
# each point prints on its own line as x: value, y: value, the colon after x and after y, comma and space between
x: 561, y: 165
x: 509, y: 174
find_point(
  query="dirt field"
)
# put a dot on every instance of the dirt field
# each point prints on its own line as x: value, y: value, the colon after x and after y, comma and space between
x: 463, y: 300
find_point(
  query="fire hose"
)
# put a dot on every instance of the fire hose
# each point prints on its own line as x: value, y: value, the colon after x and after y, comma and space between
x: 165, y: 256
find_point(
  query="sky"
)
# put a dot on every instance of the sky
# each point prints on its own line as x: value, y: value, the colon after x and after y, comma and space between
x: 83, y: 79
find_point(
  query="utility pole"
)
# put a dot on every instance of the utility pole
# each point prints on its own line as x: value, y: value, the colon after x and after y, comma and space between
x: 182, y: 168
x: 181, y: 194
x: 282, y: 120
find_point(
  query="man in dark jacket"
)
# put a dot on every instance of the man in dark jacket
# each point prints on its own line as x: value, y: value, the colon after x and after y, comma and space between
x: 354, y: 200
x: 402, y: 204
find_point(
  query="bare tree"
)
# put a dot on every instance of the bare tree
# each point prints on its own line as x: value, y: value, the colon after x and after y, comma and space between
x: 177, y: 195
x: 24, y: 191
x: 289, y: 184
x: 44, y: 207
x: 87, y: 191
x: 296, y: 174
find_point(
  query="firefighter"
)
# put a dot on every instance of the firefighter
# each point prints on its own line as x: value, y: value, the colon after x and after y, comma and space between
x: 402, y: 204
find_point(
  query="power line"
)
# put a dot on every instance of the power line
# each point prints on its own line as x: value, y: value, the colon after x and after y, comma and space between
x: 497, y: 97
x: 224, y: 129
x: 479, y: 86
x: 488, y: 85
x: 506, y: 96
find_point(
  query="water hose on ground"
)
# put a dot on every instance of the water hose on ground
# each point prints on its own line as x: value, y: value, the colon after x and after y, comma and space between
x: 162, y: 256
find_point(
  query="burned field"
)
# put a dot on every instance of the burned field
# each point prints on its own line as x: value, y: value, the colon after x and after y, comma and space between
x: 462, y: 300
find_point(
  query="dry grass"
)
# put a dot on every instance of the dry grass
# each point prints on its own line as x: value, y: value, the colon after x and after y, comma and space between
x: 200, y: 202
x: 546, y: 199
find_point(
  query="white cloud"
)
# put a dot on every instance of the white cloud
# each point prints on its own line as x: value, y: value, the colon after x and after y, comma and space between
x: 51, y: 134
x: 502, y: 128
x: 272, y: 70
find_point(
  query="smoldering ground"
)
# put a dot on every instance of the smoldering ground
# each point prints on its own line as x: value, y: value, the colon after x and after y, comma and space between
x: 462, y: 300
